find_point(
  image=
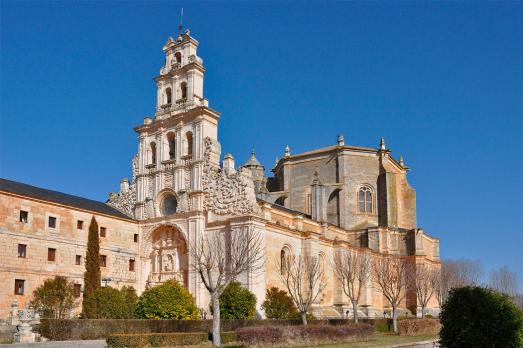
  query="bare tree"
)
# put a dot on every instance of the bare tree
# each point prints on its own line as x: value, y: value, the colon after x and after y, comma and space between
x: 353, y: 270
x: 303, y: 278
x: 425, y: 283
x: 456, y: 273
x: 504, y: 281
x: 391, y: 275
x: 464, y: 272
x: 219, y: 258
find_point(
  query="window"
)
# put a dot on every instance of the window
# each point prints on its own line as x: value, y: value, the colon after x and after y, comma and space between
x: 169, y: 205
x: 103, y: 261
x: 153, y: 153
x: 103, y: 231
x: 78, y: 260
x: 283, y: 262
x: 178, y: 57
x: 19, y: 286
x: 77, y: 290
x: 21, y: 250
x: 80, y: 224
x: 183, y: 87
x: 168, y: 95
x: 51, y: 254
x: 136, y: 237
x: 23, y: 216
x: 131, y: 265
x: 171, y: 139
x: 365, y: 200
x: 52, y: 222
x: 188, y: 139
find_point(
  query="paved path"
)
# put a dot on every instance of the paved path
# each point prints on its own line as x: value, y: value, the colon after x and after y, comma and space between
x: 58, y: 344
x: 422, y: 344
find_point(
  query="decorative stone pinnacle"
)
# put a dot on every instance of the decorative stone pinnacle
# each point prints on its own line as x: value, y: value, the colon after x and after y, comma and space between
x: 276, y: 160
x: 382, y: 144
x: 402, y: 162
x: 287, y: 150
x: 341, y: 140
x: 316, y: 178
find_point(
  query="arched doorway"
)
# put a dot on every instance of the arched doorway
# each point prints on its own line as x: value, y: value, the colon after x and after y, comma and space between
x: 169, y: 257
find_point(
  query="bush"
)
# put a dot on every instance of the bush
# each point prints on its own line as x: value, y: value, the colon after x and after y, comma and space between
x: 169, y: 300
x: 111, y: 303
x: 156, y: 340
x: 412, y: 327
x: 479, y: 317
x: 260, y: 335
x: 54, y: 298
x: 278, y: 305
x: 237, y: 302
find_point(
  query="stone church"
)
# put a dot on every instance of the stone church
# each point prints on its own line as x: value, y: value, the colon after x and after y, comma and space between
x: 340, y: 196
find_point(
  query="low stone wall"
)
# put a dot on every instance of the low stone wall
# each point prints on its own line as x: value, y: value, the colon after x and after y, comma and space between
x: 7, y: 333
x: 88, y: 329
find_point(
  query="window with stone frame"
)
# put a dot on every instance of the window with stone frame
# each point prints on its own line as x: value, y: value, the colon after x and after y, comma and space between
x: 103, y: 232
x: 51, y: 254
x: 19, y: 286
x: 103, y: 260
x: 79, y: 225
x: 131, y: 265
x: 52, y: 222
x: 24, y: 215
x: 78, y: 260
x: 77, y: 290
x: 365, y: 200
x: 22, y: 248
x: 136, y: 237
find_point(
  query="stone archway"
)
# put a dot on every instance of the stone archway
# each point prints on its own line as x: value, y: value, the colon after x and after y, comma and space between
x: 168, y: 257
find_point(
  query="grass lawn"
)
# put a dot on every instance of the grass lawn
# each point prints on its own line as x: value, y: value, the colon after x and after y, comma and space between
x: 378, y: 340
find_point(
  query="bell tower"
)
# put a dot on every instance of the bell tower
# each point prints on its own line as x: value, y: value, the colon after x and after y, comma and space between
x: 171, y: 147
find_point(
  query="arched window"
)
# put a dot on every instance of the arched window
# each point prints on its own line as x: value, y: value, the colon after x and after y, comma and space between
x: 178, y: 57
x: 183, y: 87
x: 365, y: 200
x: 171, y: 139
x: 168, y: 95
x: 188, y: 139
x: 284, y: 254
x: 153, y: 153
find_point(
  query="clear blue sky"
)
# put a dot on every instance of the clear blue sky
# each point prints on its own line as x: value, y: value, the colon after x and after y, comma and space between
x: 442, y: 82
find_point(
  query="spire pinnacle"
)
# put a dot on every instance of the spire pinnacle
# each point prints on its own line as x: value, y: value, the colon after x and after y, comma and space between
x: 341, y: 140
x: 382, y: 144
x: 287, y: 151
x: 402, y: 161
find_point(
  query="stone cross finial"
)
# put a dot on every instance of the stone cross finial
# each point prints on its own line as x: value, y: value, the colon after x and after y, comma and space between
x: 341, y: 140
x: 287, y: 151
x: 382, y: 144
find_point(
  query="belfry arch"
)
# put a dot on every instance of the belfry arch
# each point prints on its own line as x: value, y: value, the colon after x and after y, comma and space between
x: 168, y: 258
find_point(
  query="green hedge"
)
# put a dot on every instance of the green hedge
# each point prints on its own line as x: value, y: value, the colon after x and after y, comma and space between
x: 156, y: 339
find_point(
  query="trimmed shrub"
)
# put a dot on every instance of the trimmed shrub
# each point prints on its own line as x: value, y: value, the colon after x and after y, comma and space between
x: 260, y: 335
x: 169, y: 300
x: 412, y: 327
x: 54, y: 298
x: 156, y: 340
x: 278, y: 305
x: 237, y: 302
x: 111, y: 303
x: 479, y: 317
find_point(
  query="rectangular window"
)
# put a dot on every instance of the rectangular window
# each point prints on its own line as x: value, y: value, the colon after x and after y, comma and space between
x: 21, y: 250
x: 103, y: 261
x: 78, y: 260
x: 103, y: 231
x: 51, y: 254
x: 77, y: 290
x: 52, y: 222
x: 131, y: 265
x: 23, y: 216
x: 19, y: 286
x: 80, y: 224
x: 136, y: 237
